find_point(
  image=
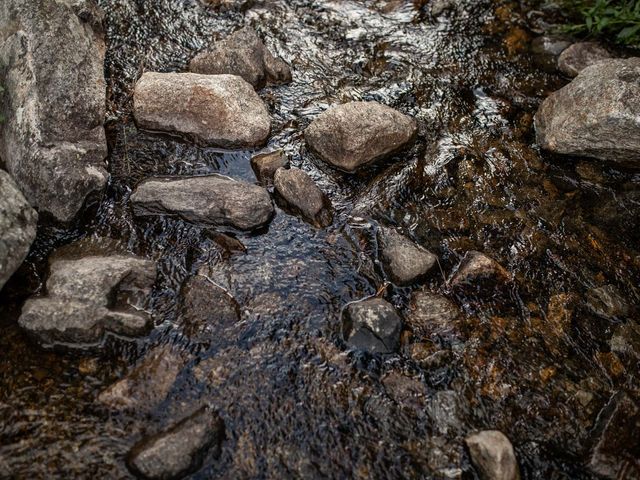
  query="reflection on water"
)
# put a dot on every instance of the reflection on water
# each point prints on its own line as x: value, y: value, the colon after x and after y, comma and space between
x: 296, y: 402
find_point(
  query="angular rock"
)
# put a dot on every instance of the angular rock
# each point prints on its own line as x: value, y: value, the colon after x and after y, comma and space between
x: 597, y: 115
x: 616, y: 453
x: 372, y: 325
x: 18, y: 223
x: 303, y: 196
x: 206, y: 308
x: 432, y: 315
x: 354, y: 134
x: 492, y: 454
x: 477, y: 270
x: 404, y: 261
x: 209, y: 200
x: 242, y: 54
x: 148, y: 384
x: 52, y: 140
x: 607, y: 302
x: 217, y: 110
x: 89, y: 297
x: 581, y: 55
x: 181, y: 449
x: 264, y: 165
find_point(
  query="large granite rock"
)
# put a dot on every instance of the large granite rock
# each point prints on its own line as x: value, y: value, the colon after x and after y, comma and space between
x: 492, y: 454
x: 52, y: 141
x: 179, y: 450
x: 89, y: 297
x: 18, y: 223
x: 581, y: 55
x: 404, y: 261
x: 302, y: 196
x: 372, y: 325
x: 242, y: 53
x: 357, y: 133
x: 597, y: 115
x: 209, y: 200
x: 217, y: 110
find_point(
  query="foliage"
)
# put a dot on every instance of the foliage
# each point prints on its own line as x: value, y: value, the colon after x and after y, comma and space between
x: 616, y: 20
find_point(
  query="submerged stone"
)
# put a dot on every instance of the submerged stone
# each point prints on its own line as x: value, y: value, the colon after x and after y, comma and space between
x: 209, y: 200
x: 303, y: 196
x: 477, y: 270
x: 372, y: 325
x: 607, y: 302
x: 403, y: 260
x: 354, y: 134
x: 432, y: 315
x: 579, y: 56
x: 217, y: 110
x: 492, y: 454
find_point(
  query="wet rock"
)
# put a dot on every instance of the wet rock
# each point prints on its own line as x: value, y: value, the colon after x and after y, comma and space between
x: 264, y: 165
x: 303, y: 196
x: 492, y: 454
x: 446, y: 413
x: 181, y: 449
x: 218, y: 110
x: 432, y: 315
x: 210, y: 200
x: 438, y: 7
x: 52, y: 140
x: 404, y: 261
x: 607, y: 302
x: 596, y: 115
x: 242, y: 54
x: 617, y: 449
x: 626, y: 340
x: 477, y: 270
x: 357, y: 133
x: 18, y: 222
x: 89, y: 297
x: 206, y: 308
x: 581, y: 55
x: 372, y: 325
x: 546, y: 50
x: 148, y: 384
x: 407, y: 391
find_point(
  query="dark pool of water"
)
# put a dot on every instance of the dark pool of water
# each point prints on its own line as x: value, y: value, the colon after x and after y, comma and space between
x: 296, y: 402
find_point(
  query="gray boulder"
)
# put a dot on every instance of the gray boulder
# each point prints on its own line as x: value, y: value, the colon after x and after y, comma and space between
x: 492, y: 454
x: 243, y: 54
x: 146, y: 385
x: 357, y: 133
x: 579, y: 56
x: 302, y: 196
x: 431, y: 315
x: 597, y: 115
x: 179, y: 450
x: 209, y: 200
x: 18, y: 222
x: 217, y: 110
x: 89, y: 297
x: 372, y: 325
x: 52, y: 141
x: 477, y: 270
x: 265, y: 165
x: 404, y: 261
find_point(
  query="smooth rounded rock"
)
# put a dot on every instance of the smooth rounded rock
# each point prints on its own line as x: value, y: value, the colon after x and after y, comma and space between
x: 432, y: 315
x: 579, y: 56
x: 403, y: 260
x: 372, y: 325
x: 303, y: 197
x: 216, y: 110
x: 492, y: 454
x: 354, y: 134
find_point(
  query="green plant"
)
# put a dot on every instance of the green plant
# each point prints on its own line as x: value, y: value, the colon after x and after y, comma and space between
x: 616, y: 20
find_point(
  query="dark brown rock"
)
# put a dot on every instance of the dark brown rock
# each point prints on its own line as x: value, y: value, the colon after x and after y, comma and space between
x: 478, y: 270
x: 431, y: 315
x: 265, y: 165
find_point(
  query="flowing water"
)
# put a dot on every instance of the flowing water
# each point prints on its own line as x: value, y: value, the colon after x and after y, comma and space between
x: 297, y: 403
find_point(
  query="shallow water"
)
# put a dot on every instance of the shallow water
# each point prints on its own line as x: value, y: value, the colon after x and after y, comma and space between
x: 296, y: 402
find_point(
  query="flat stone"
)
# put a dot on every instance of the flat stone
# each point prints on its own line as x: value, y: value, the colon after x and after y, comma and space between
x: 607, y: 302
x: 217, y: 110
x: 209, y: 200
x: 18, y: 223
x: 597, y: 115
x: 303, y: 197
x: 264, y: 165
x: 354, y: 134
x: 372, y: 325
x: 52, y: 140
x: 179, y: 450
x: 242, y: 54
x: 478, y: 270
x: 432, y: 315
x: 148, y: 384
x: 90, y: 297
x: 403, y: 260
x: 579, y: 56
x: 493, y: 456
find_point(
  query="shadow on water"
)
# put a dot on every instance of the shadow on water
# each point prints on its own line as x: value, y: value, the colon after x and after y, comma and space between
x: 296, y: 402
